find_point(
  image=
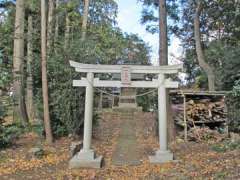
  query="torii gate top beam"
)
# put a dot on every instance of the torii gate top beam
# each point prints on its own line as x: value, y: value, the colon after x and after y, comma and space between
x: 97, y: 68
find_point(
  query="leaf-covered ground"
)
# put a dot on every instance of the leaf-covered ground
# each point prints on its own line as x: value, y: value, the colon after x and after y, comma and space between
x: 204, y: 160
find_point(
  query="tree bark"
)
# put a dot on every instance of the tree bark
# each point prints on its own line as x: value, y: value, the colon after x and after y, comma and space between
x: 100, y: 101
x: 50, y: 24
x: 29, y: 96
x: 163, y: 60
x: 56, y: 24
x: 85, y: 19
x: 67, y: 32
x: 163, y: 43
x: 200, y: 54
x: 47, y: 124
x: 20, y: 113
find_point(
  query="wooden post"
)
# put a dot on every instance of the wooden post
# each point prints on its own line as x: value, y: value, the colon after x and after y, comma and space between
x: 185, y: 117
x: 113, y: 101
x: 100, y: 101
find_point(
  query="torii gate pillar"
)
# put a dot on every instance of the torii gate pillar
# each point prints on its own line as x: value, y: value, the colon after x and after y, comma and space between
x: 86, y: 156
x: 163, y: 154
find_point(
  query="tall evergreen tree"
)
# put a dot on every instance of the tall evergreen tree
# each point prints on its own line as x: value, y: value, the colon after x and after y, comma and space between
x: 200, y: 54
x: 85, y: 19
x: 20, y: 112
x: 163, y: 40
x: 50, y: 24
x: 47, y: 123
x: 29, y: 94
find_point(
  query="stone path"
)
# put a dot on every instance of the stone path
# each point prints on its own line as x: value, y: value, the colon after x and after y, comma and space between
x: 127, y: 149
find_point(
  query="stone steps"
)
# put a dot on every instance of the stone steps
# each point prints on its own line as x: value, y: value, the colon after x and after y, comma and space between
x: 127, y: 109
x: 126, y: 152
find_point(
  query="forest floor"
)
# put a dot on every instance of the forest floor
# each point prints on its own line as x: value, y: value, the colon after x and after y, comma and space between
x: 194, y: 160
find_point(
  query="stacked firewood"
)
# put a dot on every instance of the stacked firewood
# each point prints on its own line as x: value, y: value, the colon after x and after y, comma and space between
x: 204, y: 134
x: 202, y: 111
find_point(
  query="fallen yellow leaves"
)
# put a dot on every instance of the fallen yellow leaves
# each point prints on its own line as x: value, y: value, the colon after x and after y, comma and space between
x: 196, y: 160
x: 21, y: 164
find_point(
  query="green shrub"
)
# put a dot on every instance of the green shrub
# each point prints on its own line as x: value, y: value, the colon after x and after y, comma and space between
x: 148, y: 101
x: 2, y: 112
x: 221, y: 175
x: 226, y: 146
x: 38, y: 129
x: 233, y: 106
x: 8, y: 134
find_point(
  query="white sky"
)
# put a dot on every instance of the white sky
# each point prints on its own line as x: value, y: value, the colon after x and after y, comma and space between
x: 129, y: 16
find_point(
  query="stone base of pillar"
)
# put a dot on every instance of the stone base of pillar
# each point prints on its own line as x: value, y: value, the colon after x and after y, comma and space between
x: 161, y: 157
x: 85, y: 159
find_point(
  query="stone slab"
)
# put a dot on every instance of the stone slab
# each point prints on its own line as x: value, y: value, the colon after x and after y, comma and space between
x: 127, y: 148
x: 85, y: 159
x: 127, y: 105
x: 161, y: 157
x: 76, y: 163
x: 127, y: 109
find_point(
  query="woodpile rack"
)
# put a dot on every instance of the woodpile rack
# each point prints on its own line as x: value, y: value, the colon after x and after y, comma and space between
x: 199, y: 108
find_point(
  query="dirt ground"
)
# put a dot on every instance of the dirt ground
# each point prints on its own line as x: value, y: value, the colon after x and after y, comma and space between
x: 193, y: 160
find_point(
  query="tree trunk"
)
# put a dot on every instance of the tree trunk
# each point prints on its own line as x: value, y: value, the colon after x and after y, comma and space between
x: 29, y: 97
x: 100, y: 101
x: 47, y: 124
x: 56, y: 24
x: 20, y: 112
x: 67, y: 32
x: 85, y: 19
x: 163, y: 44
x: 200, y: 55
x: 163, y: 60
x: 50, y: 24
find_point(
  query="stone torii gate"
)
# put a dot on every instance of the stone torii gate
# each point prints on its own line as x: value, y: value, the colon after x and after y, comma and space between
x: 86, y: 157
